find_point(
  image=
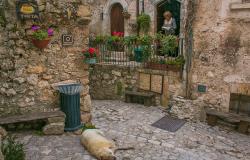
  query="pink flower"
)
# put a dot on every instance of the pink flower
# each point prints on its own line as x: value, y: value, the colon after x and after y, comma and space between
x: 50, y: 32
x: 35, y: 28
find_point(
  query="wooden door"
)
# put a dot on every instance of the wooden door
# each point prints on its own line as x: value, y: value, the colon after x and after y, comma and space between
x: 116, y: 18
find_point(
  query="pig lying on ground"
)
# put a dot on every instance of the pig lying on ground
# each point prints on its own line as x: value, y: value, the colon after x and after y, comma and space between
x: 100, y: 147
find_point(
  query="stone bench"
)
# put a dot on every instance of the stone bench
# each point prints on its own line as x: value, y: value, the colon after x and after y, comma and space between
x: 147, y: 98
x: 241, y: 121
x: 55, y: 121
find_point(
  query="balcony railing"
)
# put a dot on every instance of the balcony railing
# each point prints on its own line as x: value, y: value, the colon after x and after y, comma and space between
x: 134, y: 54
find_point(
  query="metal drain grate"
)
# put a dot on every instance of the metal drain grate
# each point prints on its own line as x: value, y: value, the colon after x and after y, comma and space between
x: 169, y: 124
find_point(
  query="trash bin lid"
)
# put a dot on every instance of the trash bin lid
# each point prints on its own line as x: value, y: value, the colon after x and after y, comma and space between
x: 69, y: 88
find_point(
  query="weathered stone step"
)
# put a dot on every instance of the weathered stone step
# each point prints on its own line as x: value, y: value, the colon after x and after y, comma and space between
x: 148, y: 99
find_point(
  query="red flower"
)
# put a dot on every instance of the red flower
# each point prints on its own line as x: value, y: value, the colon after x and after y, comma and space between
x: 118, y: 34
x: 92, y: 50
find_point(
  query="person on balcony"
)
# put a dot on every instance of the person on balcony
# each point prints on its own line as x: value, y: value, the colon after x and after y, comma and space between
x: 169, y: 25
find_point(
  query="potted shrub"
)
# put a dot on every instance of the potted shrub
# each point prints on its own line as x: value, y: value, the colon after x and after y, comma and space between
x: 90, y: 56
x: 143, y: 49
x: 143, y: 22
x: 41, y: 37
x: 115, y: 42
x: 169, y: 45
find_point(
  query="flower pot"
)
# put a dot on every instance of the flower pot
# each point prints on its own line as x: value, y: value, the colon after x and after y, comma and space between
x: 90, y: 60
x: 41, y: 44
x: 165, y: 67
x: 138, y: 54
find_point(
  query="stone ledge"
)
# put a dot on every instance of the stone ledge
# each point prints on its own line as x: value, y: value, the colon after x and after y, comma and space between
x: 239, y: 6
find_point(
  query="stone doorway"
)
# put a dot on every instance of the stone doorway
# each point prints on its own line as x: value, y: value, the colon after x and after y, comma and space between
x: 239, y: 104
x: 116, y: 18
x: 174, y: 6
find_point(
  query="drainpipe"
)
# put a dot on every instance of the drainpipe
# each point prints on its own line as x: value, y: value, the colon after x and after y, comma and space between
x: 137, y: 13
x: 143, y: 7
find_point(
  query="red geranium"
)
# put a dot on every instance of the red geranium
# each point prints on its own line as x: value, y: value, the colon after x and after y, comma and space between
x: 118, y: 34
x: 90, y: 53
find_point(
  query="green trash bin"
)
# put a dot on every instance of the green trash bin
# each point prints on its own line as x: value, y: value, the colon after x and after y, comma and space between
x: 70, y: 105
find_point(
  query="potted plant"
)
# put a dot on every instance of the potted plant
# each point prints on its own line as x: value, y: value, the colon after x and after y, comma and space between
x: 174, y: 64
x: 169, y: 45
x: 143, y: 22
x: 90, y: 56
x: 143, y: 49
x: 115, y: 42
x: 41, y: 37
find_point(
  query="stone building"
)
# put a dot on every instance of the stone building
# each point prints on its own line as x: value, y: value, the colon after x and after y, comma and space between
x: 216, y: 41
x: 27, y: 73
x: 215, y: 46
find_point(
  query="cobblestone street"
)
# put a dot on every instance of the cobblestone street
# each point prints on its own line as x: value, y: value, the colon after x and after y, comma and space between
x: 130, y: 125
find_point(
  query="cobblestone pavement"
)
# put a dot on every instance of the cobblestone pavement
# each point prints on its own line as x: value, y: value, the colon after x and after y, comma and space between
x: 130, y: 125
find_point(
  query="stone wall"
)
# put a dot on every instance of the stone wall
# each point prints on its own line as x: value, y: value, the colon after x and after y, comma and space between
x: 27, y: 73
x: 109, y: 82
x: 221, y: 54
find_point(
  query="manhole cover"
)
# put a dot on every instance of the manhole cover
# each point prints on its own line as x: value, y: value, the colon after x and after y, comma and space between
x: 169, y: 124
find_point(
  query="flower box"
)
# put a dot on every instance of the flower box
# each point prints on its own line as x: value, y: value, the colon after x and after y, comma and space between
x: 165, y: 67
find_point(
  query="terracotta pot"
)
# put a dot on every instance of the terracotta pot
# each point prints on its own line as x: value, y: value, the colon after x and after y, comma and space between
x: 41, y: 44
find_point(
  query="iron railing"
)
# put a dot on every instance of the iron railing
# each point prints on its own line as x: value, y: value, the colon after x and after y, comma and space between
x: 133, y: 55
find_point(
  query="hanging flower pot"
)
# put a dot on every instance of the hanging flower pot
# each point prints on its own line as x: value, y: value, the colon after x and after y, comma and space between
x: 90, y: 56
x: 90, y: 60
x: 41, y: 37
x: 41, y: 44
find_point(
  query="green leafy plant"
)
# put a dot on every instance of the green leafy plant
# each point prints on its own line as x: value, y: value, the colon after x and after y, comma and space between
x: 40, y: 33
x: 99, y: 39
x: 169, y: 44
x: 12, y: 150
x: 145, y: 40
x: 179, y: 61
x: 143, y: 21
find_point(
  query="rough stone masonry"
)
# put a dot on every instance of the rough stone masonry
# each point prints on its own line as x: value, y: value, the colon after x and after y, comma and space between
x: 27, y: 72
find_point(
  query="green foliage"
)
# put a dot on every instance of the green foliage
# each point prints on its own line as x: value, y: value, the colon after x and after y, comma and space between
x: 88, y: 126
x: 179, y: 61
x: 12, y: 150
x: 119, y: 88
x: 145, y: 40
x: 143, y: 21
x: 169, y: 44
x: 40, y: 35
x: 130, y: 40
x: 146, y: 52
x: 99, y: 39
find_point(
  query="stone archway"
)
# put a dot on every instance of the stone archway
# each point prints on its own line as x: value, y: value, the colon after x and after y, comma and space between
x: 106, y: 19
x: 116, y: 22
